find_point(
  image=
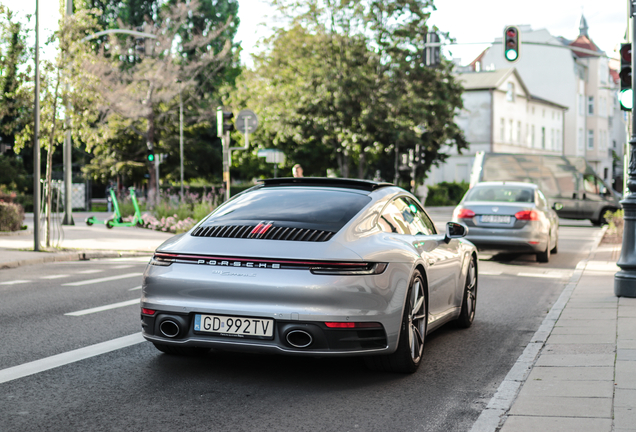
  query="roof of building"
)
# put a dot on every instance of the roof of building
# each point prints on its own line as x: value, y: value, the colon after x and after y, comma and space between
x: 487, y: 80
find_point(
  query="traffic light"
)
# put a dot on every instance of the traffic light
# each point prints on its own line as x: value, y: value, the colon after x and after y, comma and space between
x: 432, y: 56
x: 511, y: 43
x: 625, y: 97
x: 151, y: 157
x: 223, y: 122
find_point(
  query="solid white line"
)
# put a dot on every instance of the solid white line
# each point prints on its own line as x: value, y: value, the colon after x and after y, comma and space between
x: 103, y: 308
x: 135, y: 288
x: 58, y: 360
x: 123, y: 266
x: 53, y: 277
x: 483, y: 273
x: 14, y: 282
x: 90, y: 271
x: 106, y: 279
x: 544, y: 275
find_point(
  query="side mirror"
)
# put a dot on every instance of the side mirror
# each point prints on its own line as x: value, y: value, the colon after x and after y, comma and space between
x: 455, y: 230
x: 557, y: 206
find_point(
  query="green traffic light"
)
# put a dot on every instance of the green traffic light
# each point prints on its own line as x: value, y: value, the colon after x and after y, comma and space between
x: 151, y: 157
x: 626, y: 99
x: 512, y: 55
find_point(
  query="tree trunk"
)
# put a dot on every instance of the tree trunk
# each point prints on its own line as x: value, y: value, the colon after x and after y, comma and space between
x: 49, y: 163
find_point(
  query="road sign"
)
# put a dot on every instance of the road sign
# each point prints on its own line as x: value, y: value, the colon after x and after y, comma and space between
x: 246, y: 121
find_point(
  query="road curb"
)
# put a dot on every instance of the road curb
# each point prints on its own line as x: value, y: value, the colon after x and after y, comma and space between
x: 72, y: 256
x: 496, y: 412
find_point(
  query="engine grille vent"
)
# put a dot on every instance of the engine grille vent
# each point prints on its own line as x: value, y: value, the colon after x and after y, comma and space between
x: 274, y: 233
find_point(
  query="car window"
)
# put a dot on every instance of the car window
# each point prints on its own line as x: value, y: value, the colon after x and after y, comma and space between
x: 501, y: 193
x: 392, y: 218
x: 542, y: 201
x: 422, y: 224
x: 589, y: 184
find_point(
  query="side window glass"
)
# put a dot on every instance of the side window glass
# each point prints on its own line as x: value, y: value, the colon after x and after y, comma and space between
x: 392, y: 219
x: 542, y: 200
x: 589, y: 184
x: 419, y: 222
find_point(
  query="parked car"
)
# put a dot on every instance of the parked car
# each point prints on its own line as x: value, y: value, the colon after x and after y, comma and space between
x: 569, y: 183
x: 511, y: 217
x: 312, y: 266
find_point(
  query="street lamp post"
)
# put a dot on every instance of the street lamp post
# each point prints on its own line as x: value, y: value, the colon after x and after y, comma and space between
x: 68, y: 154
x: 181, y: 137
x: 625, y: 279
x: 36, y: 139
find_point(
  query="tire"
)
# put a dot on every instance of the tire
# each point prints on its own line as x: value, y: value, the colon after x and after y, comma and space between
x: 181, y: 351
x: 109, y: 223
x: 89, y: 222
x: 544, y: 257
x: 555, y: 249
x: 409, y: 353
x: 469, y: 301
x: 601, y: 218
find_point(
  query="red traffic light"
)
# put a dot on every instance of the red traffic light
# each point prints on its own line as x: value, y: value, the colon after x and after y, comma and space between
x: 626, y: 53
x: 511, y: 32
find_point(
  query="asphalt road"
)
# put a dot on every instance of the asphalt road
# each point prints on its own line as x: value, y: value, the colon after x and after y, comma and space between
x: 138, y: 388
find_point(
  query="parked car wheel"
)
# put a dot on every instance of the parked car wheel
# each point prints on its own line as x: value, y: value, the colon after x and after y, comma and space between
x: 467, y: 314
x: 555, y: 249
x: 408, y: 355
x: 544, y: 257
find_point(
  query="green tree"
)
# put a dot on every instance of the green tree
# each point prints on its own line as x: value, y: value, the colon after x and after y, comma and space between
x: 346, y: 83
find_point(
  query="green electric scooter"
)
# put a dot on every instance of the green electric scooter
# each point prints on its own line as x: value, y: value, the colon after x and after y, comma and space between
x: 117, y: 220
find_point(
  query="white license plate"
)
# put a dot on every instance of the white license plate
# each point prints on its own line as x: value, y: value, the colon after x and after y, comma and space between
x: 234, y: 326
x: 495, y: 219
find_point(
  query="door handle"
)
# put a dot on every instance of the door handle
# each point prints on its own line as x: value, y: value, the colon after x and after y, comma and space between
x: 431, y: 261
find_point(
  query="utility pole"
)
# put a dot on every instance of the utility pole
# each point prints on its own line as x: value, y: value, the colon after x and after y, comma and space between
x: 181, y: 138
x: 625, y: 279
x: 68, y: 154
x: 36, y: 138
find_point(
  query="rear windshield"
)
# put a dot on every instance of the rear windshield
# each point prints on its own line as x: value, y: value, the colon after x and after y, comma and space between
x: 501, y: 194
x: 298, y: 207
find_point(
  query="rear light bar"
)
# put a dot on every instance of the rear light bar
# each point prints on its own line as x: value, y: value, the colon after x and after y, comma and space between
x: 148, y: 311
x: 528, y: 215
x: 465, y: 214
x: 349, y: 325
x: 360, y: 269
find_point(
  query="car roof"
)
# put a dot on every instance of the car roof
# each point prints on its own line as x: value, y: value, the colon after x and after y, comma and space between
x: 345, y: 183
x: 507, y: 183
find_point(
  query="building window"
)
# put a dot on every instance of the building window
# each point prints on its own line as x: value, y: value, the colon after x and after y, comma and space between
x: 590, y: 139
x: 581, y: 140
x: 614, y: 143
x: 519, y: 132
x: 552, y: 143
x: 590, y: 105
x: 502, y: 131
x: 510, y: 94
x: 532, y: 137
x: 606, y: 173
x: 511, y: 123
x: 581, y: 105
x: 543, y: 137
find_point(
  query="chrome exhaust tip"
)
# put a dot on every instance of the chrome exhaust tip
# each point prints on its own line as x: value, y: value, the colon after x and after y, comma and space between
x: 299, y: 338
x: 169, y: 328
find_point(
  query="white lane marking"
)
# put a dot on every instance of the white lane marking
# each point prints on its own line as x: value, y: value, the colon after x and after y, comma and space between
x: 143, y: 259
x: 544, y: 275
x: 14, y: 282
x: 90, y: 271
x: 485, y: 273
x: 58, y: 360
x: 54, y: 277
x: 123, y: 266
x: 106, y: 279
x: 135, y: 288
x: 103, y: 308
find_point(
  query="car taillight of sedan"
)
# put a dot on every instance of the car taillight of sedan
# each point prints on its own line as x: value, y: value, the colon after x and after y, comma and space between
x: 531, y: 215
x: 464, y: 213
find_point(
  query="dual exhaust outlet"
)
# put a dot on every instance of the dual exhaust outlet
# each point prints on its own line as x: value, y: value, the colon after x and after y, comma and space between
x: 296, y: 338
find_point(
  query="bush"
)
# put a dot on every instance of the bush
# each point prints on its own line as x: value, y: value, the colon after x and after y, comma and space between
x: 615, y: 220
x: 446, y: 194
x: 11, y: 216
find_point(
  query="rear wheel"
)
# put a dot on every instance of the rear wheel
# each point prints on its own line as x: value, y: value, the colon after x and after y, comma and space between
x: 601, y: 218
x: 544, y: 257
x: 408, y: 355
x: 110, y: 223
x: 181, y: 351
x: 467, y: 314
x: 555, y: 249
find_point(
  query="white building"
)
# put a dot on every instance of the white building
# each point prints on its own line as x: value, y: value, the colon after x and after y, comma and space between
x: 501, y: 115
x: 574, y: 74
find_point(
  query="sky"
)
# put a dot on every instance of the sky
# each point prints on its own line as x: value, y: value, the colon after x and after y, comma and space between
x: 468, y: 21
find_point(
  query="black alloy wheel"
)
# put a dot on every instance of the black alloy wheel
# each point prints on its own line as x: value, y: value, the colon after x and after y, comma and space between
x: 408, y: 355
x: 469, y: 301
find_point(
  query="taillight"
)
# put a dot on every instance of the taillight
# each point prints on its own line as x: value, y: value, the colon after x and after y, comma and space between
x: 353, y: 325
x: 148, y: 311
x: 465, y: 214
x: 528, y: 215
x: 349, y: 269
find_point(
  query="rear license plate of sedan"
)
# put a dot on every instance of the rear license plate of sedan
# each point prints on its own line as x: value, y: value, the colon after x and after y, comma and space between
x: 234, y: 326
x: 495, y: 219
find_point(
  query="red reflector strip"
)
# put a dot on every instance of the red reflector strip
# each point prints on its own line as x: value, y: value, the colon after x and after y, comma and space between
x: 353, y: 325
x: 148, y: 311
x: 260, y: 229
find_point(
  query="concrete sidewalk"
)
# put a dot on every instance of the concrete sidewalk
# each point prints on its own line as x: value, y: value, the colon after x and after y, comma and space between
x: 579, y: 371
x: 77, y: 242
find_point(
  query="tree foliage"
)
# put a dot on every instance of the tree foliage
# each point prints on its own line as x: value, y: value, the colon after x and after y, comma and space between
x: 345, y: 83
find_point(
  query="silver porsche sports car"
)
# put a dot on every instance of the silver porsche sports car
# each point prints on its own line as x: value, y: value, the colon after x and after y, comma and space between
x: 311, y: 266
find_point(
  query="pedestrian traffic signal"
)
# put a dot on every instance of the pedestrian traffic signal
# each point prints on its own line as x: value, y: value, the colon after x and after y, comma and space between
x: 625, y: 97
x: 151, y: 157
x: 511, y: 43
x: 223, y: 121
